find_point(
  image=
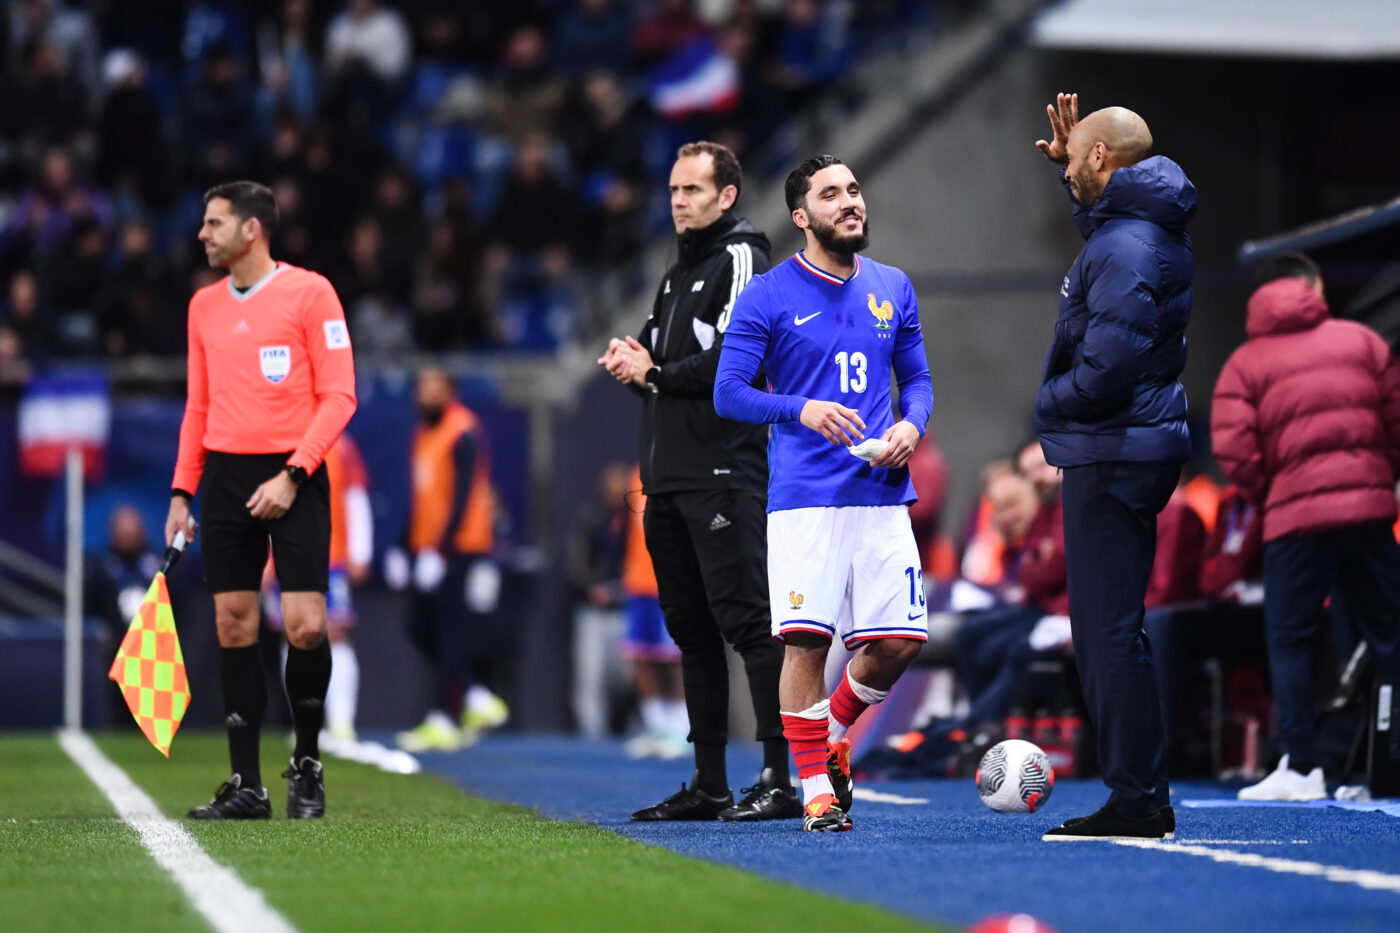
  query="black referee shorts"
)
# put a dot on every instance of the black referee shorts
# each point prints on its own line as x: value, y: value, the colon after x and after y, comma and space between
x: 235, y: 543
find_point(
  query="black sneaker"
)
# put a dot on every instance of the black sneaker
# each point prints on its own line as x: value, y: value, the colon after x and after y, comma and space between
x: 766, y: 800
x: 1107, y: 824
x: 822, y: 815
x: 686, y: 804
x: 838, y: 768
x: 1167, y: 814
x: 233, y: 801
x: 306, y: 790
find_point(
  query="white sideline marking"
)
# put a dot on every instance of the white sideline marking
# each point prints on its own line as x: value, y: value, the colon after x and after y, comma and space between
x: 215, y: 890
x: 877, y: 796
x: 1362, y: 877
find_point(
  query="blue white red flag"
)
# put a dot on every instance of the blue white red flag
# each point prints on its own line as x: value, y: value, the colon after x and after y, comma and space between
x: 698, y: 78
x: 63, y: 410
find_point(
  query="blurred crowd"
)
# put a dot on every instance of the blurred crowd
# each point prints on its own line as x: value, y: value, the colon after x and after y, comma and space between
x: 456, y: 169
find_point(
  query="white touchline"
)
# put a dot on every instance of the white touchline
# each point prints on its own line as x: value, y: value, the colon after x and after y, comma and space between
x: 215, y: 890
x: 877, y: 796
x: 1362, y: 877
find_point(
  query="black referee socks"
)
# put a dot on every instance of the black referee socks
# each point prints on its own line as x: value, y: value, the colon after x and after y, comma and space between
x: 245, y: 701
x: 308, y: 676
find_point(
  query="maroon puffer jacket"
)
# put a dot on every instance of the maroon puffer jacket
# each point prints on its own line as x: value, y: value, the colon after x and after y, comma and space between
x: 1306, y: 415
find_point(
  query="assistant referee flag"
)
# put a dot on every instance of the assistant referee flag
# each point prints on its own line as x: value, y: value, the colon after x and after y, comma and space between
x: 150, y: 669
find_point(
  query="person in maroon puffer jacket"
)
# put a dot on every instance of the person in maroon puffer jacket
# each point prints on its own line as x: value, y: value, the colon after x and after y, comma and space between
x: 1306, y: 421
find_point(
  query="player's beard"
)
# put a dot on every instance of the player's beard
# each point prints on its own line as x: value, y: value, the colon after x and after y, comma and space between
x: 1087, y: 189
x: 845, y: 243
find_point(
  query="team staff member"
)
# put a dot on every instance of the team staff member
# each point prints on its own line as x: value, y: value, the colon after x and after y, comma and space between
x: 271, y: 386
x: 457, y: 582
x: 1112, y: 415
x: 705, y: 478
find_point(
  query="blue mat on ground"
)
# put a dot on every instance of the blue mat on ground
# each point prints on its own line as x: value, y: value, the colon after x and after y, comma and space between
x: 943, y: 856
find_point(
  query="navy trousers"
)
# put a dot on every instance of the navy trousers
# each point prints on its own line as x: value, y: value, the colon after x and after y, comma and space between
x: 1363, y: 561
x: 1110, y: 514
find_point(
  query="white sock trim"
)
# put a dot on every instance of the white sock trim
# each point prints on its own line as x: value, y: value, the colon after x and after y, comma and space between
x: 820, y: 710
x: 867, y: 695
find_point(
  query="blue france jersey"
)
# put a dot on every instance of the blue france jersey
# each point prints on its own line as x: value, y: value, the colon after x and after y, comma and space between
x: 816, y: 336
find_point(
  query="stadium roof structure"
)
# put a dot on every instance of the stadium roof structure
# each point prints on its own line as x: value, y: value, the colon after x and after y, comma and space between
x: 1335, y: 30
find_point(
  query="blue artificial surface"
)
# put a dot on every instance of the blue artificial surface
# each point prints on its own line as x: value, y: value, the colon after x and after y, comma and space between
x: 950, y: 860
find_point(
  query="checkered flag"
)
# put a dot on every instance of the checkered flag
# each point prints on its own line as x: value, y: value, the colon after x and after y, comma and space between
x: 149, y: 667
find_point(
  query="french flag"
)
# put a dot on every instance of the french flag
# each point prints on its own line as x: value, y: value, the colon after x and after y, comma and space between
x: 63, y: 410
x: 698, y: 78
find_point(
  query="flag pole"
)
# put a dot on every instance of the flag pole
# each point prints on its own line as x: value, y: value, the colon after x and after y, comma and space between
x: 73, y: 595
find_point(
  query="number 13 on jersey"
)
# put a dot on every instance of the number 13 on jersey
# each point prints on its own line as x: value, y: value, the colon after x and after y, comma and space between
x: 852, y: 371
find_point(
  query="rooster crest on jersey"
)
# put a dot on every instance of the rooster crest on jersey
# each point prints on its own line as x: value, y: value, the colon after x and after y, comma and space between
x: 795, y: 599
x: 884, y: 312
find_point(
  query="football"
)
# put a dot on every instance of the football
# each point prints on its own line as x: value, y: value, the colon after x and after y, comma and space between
x: 1015, y: 777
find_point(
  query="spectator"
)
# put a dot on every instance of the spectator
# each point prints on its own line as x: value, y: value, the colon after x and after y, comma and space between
x: 812, y: 49
x: 1176, y: 568
x: 50, y: 104
x: 218, y: 113
x: 366, y: 35
x: 287, y: 56
x: 592, y: 36
x: 1306, y: 421
x: 928, y: 470
x: 664, y: 32
x: 595, y: 555
x: 215, y: 27
x: 368, y: 52
x: 1232, y: 566
x: 1030, y: 463
x: 399, y: 217
x: 28, y: 321
x: 70, y: 278
x: 994, y: 646
x: 116, y: 584
x: 526, y: 94
x: 70, y: 33
x: 139, y: 312
x: 130, y: 133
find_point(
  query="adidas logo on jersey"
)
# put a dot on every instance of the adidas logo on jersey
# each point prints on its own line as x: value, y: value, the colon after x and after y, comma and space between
x: 719, y: 521
x: 242, y: 328
x: 698, y: 286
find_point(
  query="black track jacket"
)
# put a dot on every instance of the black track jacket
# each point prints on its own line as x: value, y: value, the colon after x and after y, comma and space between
x: 684, y: 444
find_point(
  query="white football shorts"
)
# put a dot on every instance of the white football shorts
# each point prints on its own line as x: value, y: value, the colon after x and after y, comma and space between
x: 851, y: 572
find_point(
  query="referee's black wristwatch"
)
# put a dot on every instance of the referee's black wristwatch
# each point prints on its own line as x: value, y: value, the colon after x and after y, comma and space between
x: 297, y: 473
x: 653, y: 379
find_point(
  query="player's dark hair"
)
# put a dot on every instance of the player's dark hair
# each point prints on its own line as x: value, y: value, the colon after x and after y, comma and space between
x: 799, y: 180
x: 1287, y: 266
x: 727, y: 169
x: 247, y: 199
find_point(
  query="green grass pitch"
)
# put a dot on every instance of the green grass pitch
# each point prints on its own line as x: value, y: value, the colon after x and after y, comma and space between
x: 395, y: 852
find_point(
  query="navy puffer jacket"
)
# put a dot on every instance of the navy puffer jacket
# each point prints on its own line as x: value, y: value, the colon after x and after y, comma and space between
x: 1109, y: 392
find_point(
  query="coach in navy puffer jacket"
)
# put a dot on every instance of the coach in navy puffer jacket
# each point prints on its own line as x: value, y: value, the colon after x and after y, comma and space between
x: 1111, y: 414
x: 1110, y: 390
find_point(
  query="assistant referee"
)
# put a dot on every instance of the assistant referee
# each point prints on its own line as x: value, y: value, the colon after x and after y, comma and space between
x: 271, y: 386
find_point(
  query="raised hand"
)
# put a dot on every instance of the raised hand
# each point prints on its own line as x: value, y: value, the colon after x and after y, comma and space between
x: 833, y: 421
x: 1064, y: 114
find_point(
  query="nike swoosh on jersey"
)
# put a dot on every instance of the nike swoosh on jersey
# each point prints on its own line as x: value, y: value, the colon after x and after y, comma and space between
x: 799, y: 321
x: 915, y: 616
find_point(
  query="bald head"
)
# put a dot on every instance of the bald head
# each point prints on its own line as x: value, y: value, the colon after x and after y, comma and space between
x: 1101, y: 143
x: 1123, y: 133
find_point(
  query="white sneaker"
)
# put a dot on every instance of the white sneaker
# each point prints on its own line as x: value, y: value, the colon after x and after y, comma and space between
x: 1286, y: 784
x: 645, y: 745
